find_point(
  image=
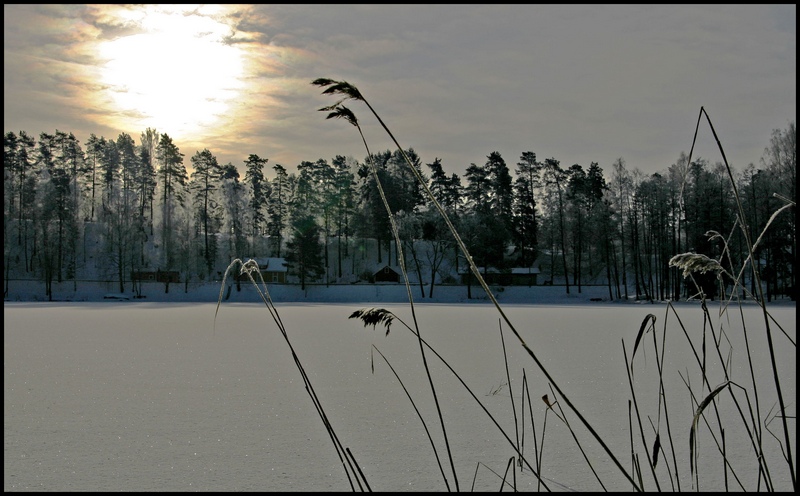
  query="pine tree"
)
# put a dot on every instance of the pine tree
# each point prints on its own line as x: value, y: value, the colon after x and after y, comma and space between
x: 344, y: 190
x: 526, y: 224
x: 258, y: 191
x: 231, y: 196
x: 554, y: 176
x: 172, y: 177
x: 205, y: 180
x: 278, y: 209
x: 304, y: 249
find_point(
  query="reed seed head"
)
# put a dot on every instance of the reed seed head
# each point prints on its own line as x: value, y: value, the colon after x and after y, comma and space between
x: 695, y: 262
x: 249, y: 267
x: 338, y: 88
x: 339, y: 111
x: 374, y: 316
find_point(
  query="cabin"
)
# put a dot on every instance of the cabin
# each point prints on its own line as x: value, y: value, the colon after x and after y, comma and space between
x: 273, y: 270
x: 155, y: 276
x: 386, y: 274
x: 524, y: 276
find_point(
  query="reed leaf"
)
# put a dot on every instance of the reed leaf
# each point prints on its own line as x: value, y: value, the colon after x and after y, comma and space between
x: 509, y: 466
x: 703, y: 404
x: 656, y: 448
x: 649, y: 317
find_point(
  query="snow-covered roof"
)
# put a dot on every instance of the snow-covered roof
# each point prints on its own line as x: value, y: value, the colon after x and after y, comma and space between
x: 272, y: 264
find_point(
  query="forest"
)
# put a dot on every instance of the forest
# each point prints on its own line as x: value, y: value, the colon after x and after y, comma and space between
x: 111, y: 208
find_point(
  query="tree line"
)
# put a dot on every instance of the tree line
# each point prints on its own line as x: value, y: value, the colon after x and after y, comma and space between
x: 114, y: 207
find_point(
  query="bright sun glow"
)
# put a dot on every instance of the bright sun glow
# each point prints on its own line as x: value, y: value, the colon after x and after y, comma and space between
x: 176, y: 76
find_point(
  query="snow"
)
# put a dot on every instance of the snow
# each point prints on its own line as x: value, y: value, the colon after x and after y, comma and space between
x: 171, y: 393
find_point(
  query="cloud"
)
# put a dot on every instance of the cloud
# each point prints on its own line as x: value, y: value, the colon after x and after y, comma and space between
x: 580, y: 83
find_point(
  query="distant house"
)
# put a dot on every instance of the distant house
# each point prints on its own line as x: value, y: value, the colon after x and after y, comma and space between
x: 155, y: 276
x: 524, y: 276
x: 273, y: 270
x: 387, y: 274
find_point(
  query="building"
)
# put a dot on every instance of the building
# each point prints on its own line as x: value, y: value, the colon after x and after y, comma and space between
x: 273, y: 270
x: 524, y: 276
x: 387, y: 274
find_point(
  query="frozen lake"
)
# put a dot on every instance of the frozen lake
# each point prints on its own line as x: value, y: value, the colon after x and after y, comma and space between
x: 136, y: 396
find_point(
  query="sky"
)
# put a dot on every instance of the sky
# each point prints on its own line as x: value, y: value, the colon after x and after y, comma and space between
x: 578, y: 83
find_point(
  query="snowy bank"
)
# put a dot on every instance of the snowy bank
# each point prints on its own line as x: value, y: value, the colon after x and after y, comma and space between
x: 361, y: 293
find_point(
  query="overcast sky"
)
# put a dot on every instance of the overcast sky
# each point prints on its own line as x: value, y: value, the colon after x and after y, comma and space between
x: 578, y: 83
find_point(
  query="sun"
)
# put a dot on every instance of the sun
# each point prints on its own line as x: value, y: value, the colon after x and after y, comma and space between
x: 176, y: 75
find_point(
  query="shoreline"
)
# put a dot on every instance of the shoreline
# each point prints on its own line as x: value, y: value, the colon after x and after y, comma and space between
x: 33, y: 291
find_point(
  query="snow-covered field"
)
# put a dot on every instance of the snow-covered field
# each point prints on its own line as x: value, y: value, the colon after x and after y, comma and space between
x: 142, y: 395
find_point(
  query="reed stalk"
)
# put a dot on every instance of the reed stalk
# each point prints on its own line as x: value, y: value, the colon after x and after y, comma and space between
x: 760, y: 299
x: 338, y: 111
x: 345, y: 456
x: 374, y: 316
x: 419, y: 415
x: 510, y: 390
x: 749, y: 412
x: 563, y: 417
x: 348, y: 91
x: 638, y: 414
